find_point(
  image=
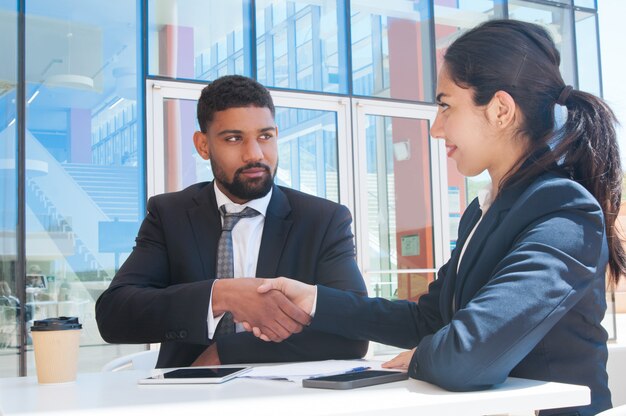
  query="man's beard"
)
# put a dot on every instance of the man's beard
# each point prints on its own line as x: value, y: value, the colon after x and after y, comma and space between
x: 246, y: 189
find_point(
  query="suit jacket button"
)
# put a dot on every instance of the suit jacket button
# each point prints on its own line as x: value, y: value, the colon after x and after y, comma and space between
x: 182, y: 334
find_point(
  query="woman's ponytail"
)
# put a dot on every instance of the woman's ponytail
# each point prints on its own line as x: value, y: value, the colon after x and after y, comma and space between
x: 588, y: 150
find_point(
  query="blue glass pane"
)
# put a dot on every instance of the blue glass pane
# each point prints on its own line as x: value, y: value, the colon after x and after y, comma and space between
x: 10, y: 308
x: 298, y: 45
x: 392, y: 49
x: 587, y: 53
x: 585, y: 3
x: 197, y: 39
x: 84, y: 178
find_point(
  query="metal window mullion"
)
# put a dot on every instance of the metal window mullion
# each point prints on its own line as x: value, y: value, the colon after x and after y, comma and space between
x: 20, y: 267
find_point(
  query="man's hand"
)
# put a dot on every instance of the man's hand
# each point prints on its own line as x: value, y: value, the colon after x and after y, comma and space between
x: 299, y: 293
x: 400, y: 361
x: 208, y: 357
x: 272, y: 313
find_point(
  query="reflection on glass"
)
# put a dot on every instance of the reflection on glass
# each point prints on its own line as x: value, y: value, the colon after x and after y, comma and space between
x: 10, y: 308
x: 587, y: 52
x: 399, y: 201
x: 585, y: 3
x: 308, y: 151
x: 391, y: 49
x: 307, y: 148
x: 83, y: 173
x: 558, y: 22
x: 196, y: 39
x: 452, y: 18
x: 298, y: 45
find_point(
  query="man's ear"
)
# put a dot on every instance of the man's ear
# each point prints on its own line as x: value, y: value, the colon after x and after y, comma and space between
x: 202, y: 145
x: 501, y: 109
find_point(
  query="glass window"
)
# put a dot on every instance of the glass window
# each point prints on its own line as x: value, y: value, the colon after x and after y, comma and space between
x: 591, y: 4
x: 587, y: 52
x: 298, y: 45
x: 10, y: 307
x: 452, y: 18
x: 398, y: 186
x: 391, y: 49
x: 558, y: 21
x: 196, y: 39
x: 400, y: 243
x: 84, y: 193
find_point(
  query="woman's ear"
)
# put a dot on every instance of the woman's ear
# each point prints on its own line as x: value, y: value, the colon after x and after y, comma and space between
x: 201, y: 143
x: 501, y: 109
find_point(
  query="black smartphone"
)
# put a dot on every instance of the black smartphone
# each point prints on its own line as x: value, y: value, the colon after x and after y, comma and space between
x: 196, y: 375
x: 354, y: 380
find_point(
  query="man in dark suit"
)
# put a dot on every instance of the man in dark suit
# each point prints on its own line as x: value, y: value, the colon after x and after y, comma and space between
x: 168, y: 290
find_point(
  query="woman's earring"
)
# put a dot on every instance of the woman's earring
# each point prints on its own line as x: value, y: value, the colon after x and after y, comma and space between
x: 499, y: 122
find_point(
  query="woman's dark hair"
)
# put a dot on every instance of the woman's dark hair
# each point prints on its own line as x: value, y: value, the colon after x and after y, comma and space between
x: 521, y: 59
x: 231, y: 91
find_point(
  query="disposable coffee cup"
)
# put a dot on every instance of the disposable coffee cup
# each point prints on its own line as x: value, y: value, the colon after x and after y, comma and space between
x: 56, y: 342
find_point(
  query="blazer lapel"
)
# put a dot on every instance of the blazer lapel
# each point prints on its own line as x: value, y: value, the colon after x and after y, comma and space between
x: 450, y: 283
x: 275, y: 232
x: 490, y: 221
x: 207, y: 226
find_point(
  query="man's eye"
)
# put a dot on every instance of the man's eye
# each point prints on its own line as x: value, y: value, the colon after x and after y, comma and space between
x: 232, y: 138
x: 266, y: 136
x: 443, y: 106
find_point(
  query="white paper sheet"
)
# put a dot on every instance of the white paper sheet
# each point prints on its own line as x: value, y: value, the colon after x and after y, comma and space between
x: 298, y: 371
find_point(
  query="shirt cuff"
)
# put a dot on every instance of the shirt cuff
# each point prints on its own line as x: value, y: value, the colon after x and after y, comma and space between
x: 212, y: 321
x: 314, y: 308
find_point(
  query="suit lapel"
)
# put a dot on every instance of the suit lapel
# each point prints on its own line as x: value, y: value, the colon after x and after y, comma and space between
x: 489, y: 223
x: 450, y: 283
x: 207, y: 226
x: 275, y: 232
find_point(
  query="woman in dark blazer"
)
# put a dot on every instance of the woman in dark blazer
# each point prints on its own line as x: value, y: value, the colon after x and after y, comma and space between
x: 523, y: 293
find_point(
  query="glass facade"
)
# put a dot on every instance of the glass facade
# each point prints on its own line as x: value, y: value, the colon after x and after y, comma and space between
x: 198, y: 39
x: 89, y: 114
x: 392, y: 49
x: 300, y: 45
x: 10, y: 306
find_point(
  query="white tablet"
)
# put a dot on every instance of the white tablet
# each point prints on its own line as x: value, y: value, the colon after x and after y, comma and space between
x: 196, y: 375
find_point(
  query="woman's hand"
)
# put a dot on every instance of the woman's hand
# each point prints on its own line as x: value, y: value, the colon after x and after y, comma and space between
x: 301, y: 294
x: 401, y: 361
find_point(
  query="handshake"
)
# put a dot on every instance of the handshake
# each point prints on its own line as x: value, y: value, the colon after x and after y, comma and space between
x: 272, y: 309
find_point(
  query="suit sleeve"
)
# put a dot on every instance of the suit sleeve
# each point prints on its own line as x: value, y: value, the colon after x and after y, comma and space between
x: 336, y: 267
x: 140, y: 306
x: 399, y: 323
x: 552, y: 264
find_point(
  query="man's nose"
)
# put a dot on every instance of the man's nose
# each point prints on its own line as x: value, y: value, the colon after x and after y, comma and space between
x: 253, y: 151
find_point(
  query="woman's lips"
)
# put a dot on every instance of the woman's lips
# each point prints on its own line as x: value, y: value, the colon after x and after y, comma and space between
x: 450, y: 149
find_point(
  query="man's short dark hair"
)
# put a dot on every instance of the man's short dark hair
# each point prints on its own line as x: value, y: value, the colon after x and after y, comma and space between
x: 231, y: 91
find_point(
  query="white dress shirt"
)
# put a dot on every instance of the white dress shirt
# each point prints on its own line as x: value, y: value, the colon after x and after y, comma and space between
x: 246, y: 237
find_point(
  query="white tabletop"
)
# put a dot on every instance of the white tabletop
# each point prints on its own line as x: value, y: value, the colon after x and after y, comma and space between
x: 119, y: 394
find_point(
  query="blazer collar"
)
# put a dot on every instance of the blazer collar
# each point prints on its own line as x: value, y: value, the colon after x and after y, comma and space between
x: 206, y: 225
x: 490, y: 220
